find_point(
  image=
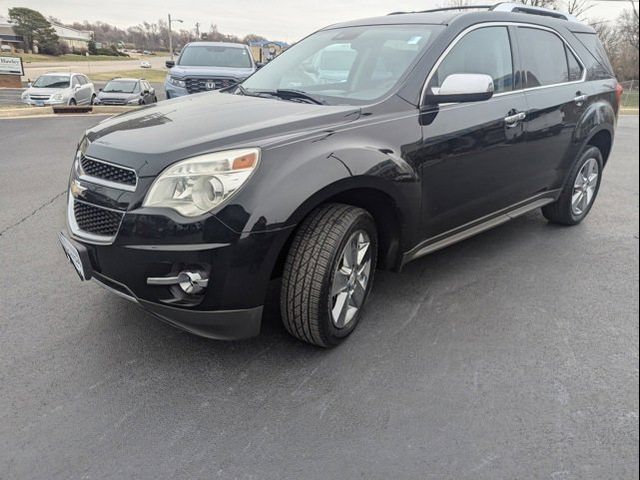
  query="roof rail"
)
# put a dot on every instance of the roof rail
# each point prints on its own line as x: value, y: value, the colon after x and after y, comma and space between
x: 445, y: 9
x: 521, y: 8
x: 504, y: 7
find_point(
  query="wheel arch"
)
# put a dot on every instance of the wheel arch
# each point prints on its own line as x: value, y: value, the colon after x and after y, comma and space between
x: 369, y: 194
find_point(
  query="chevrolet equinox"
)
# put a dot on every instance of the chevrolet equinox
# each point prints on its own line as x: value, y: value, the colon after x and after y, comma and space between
x: 434, y: 126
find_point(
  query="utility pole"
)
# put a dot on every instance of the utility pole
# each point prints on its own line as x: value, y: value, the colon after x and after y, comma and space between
x: 197, y: 30
x: 170, y: 36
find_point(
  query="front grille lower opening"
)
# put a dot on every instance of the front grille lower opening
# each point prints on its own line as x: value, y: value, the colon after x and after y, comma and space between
x: 96, y: 220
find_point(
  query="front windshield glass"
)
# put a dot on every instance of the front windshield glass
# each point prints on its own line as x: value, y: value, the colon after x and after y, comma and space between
x: 214, y: 56
x: 351, y: 65
x: 121, y: 86
x: 52, y: 81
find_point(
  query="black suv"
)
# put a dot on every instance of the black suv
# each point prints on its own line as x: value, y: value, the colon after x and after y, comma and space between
x: 432, y: 127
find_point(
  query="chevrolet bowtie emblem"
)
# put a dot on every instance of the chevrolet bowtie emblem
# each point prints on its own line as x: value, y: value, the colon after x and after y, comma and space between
x: 76, y: 188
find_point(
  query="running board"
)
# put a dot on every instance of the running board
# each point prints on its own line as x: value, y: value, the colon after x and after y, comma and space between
x: 474, y: 228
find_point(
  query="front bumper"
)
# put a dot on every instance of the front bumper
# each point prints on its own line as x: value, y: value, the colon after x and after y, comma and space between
x: 44, y: 103
x: 220, y: 324
x: 238, y: 268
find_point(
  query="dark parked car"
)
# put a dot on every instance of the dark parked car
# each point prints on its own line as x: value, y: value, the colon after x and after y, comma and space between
x: 126, y: 91
x: 443, y: 125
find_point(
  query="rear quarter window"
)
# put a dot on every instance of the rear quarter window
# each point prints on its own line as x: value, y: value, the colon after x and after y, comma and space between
x: 544, y: 57
x: 595, y: 58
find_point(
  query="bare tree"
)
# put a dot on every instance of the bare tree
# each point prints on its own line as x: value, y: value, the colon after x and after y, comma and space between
x: 577, y: 8
x: 628, y: 26
x: 540, y: 3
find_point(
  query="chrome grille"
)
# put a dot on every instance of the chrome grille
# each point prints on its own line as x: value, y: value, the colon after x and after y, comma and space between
x: 39, y: 97
x: 112, y: 101
x: 107, y: 171
x: 96, y: 220
x: 195, y: 85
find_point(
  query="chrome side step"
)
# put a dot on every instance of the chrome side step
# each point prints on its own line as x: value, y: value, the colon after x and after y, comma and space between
x: 477, y: 226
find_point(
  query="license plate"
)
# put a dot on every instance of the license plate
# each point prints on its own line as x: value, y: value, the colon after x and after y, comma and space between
x: 40, y: 104
x: 73, y: 255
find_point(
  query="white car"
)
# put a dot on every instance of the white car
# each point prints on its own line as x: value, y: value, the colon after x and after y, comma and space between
x: 60, y: 89
x: 145, y: 64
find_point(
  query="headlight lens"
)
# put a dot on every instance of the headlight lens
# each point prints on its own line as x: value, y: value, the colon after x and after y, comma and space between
x: 134, y: 101
x: 25, y: 95
x: 197, y: 185
x: 177, y: 82
x: 56, y: 96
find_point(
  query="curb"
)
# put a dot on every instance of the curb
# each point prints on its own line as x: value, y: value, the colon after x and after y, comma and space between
x: 48, y: 111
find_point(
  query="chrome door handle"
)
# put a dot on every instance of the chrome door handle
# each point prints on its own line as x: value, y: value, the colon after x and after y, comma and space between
x: 513, y: 120
x: 580, y: 99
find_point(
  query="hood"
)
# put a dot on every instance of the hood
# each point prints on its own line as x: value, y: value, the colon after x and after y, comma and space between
x: 184, y: 71
x: 45, y: 91
x: 153, y: 137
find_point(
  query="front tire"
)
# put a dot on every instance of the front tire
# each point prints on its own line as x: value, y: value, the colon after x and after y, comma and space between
x: 328, y: 274
x: 580, y: 191
x: 72, y: 102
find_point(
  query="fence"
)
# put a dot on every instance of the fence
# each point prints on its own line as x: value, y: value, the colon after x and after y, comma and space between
x: 630, y: 94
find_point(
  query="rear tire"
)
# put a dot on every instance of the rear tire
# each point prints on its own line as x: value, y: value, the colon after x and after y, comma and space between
x: 328, y: 274
x: 580, y: 191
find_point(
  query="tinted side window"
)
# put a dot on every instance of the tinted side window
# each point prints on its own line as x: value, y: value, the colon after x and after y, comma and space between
x: 543, y: 56
x: 596, y: 61
x: 486, y: 50
x: 81, y: 80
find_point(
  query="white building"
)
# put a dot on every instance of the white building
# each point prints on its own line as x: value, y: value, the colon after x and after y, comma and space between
x: 75, y: 39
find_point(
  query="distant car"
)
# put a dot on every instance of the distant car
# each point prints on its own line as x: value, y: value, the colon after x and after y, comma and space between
x: 204, y: 66
x: 146, y: 52
x: 60, y: 89
x: 126, y: 91
x: 145, y: 64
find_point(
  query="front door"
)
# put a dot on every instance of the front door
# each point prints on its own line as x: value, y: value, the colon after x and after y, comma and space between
x: 473, y: 154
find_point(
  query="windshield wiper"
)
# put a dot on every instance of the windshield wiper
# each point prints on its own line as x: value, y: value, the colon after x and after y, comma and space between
x: 285, y: 92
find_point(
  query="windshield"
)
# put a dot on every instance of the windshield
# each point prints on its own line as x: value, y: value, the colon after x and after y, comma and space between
x: 350, y: 65
x: 214, y: 56
x: 52, y: 81
x: 121, y: 86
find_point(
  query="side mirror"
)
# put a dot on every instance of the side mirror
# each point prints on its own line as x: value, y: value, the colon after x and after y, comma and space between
x: 76, y: 87
x: 461, y: 87
x: 99, y: 89
x: 170, y: 63
x: 146, y: 92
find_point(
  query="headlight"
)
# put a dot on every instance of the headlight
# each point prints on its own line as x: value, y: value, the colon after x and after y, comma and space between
x: 56, y: 96
x: 134, y: 101
x: 197, y: 185
x: 24, y: 96
x: 177, y: 82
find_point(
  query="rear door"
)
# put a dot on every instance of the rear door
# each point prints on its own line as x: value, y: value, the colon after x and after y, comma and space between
x: 557, y: 98
x: 473, y: 154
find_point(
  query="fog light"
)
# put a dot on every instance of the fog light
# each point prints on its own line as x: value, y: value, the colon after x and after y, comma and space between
x: 190, y: 283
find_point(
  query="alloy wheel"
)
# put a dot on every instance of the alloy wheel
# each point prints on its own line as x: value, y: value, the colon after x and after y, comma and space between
x: 584, y: 187
x: 351, y: 279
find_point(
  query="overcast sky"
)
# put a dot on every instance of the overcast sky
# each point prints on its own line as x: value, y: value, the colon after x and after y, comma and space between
x: 287, y: 20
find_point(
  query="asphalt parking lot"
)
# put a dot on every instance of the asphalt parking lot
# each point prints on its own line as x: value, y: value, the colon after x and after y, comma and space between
x: 511, y: 355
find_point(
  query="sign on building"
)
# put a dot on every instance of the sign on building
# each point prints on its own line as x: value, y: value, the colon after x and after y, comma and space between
x: 11, y: 66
